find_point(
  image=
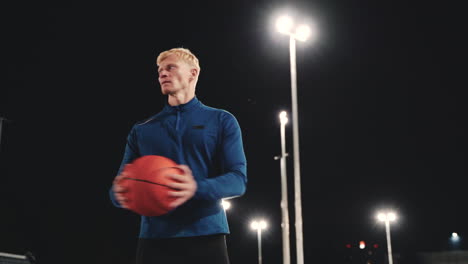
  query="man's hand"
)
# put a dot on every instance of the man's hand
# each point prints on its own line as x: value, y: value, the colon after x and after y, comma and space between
x: 184, y: 185
x: 119, y: 190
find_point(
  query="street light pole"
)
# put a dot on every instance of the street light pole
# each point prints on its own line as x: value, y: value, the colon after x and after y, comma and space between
x: 302, y: 32
x: 389, y: 242
x: 297, y: 166
x: 259, y: 225
x: 259, y: 239
x: 388, y: 217
x: 284, y: 191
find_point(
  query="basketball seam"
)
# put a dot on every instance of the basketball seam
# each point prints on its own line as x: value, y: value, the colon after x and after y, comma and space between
x: 128, y: 178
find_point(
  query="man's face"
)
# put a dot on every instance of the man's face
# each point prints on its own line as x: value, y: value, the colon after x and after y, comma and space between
x: 174, y: 75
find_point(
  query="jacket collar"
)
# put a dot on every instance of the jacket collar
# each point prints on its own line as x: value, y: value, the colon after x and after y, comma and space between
x: 182, y: 107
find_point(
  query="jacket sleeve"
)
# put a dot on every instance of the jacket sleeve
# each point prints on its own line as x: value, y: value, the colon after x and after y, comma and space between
x: 131, y: 153
x: 233, y: 180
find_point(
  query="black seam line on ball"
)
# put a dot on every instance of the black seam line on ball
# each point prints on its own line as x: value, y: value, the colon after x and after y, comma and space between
x: 128, y: 178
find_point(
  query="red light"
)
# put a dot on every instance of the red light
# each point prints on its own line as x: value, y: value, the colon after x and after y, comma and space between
x: 362, y: 244
x: 376, y: 245
x: 348, y: 245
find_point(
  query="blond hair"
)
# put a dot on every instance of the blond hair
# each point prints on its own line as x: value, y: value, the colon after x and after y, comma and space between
x: 183, y: 54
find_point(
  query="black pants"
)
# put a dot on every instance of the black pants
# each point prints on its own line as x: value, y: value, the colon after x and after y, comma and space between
x: 201, y: 249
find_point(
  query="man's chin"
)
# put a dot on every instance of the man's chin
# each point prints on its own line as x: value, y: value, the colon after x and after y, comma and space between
x: 167, y: 91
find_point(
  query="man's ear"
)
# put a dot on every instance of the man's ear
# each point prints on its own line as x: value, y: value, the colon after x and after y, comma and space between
x: 193, y: 73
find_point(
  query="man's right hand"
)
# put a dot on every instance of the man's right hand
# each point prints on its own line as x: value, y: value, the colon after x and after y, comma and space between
x: 119, y: 190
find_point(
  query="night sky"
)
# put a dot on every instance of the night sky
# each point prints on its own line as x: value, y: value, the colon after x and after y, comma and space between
x: 381, y: 117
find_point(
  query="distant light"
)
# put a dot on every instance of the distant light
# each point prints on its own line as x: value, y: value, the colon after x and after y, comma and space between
x: 254, y: 225
x: 391, y: 216
x: 302, y: 32
x: 284, y: 24
x: 283, y: 117
x: 382, y: 217
x: 376, y: 245
x: 226, y: 205
x: 298, y: 31
x: 260, y: 224
x: 455, y: 238
x: 362, y: 245
x: 348, y: 245
x: 387, y: 216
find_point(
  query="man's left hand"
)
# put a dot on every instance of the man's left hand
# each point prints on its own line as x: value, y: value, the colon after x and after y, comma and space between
x: 184, y: 184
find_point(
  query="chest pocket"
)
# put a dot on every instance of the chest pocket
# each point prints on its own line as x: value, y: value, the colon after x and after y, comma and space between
x: 200, y: 137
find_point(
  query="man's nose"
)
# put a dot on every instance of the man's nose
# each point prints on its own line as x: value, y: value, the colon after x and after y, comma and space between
x: 162, y: 74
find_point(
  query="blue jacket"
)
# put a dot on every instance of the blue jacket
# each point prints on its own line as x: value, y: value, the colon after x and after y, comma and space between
x: 209, y: 141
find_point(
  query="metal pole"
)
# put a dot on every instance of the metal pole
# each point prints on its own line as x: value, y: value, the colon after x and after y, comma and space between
x: 259, y: 234
x: 297, y: 167
x: 389, y: 242
x: 284, y: 198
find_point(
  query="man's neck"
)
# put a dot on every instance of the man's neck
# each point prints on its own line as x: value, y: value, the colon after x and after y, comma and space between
x: 179, y: 98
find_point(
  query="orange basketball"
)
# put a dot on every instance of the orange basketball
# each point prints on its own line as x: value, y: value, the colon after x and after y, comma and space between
x: 147, y: 186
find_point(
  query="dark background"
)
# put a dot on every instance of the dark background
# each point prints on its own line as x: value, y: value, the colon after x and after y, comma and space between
x: 381, y: 114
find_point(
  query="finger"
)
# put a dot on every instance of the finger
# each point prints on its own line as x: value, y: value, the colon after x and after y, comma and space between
x: 122, y: 175
x: 177, y: 185
x: 123, y: 201
x: 177, y: 194
x: 186, y: 169
x: 176, y: 203
x: 178, y: 177
x: 119, y: 178
x: 123, y: 204
x: 120, y: 197
x: 120, y: 188
x: 116, y: 180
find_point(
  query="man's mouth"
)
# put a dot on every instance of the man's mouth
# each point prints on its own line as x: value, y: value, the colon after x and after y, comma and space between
x: 165, y: 82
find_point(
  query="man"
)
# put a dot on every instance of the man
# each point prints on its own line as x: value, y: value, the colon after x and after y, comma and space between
x: 208, y: 142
